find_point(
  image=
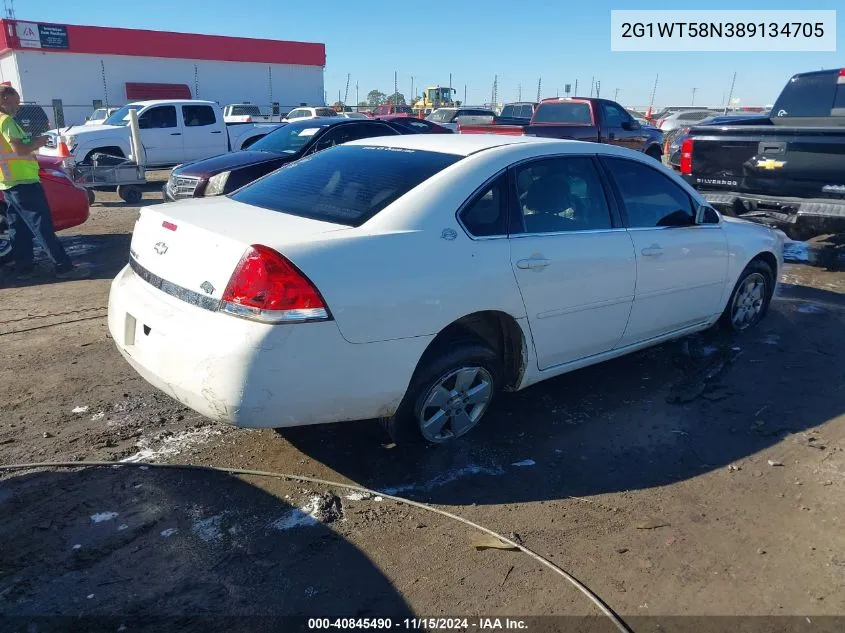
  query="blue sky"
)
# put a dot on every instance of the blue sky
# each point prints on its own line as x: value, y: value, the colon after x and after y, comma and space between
x: 519, y: 42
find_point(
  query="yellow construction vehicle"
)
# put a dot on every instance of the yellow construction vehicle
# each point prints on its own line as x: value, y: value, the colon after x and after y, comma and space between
x: 434, y: 97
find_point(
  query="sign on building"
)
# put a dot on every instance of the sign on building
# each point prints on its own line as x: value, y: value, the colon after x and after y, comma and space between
x: 32, y: 35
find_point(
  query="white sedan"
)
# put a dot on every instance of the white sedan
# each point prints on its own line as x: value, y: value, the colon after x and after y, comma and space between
x: 410, y: 278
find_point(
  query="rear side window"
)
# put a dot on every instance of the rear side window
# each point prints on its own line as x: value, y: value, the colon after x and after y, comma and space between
x: 326, y: 112
x: 345, y: 185
x: 572, y: 113
x: 487, y: 214
x: 245, y: 110
x: 198, y: 115
x: 808, y: 96
x: 650, y: 199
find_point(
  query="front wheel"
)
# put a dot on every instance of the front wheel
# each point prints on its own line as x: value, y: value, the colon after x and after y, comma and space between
x: 449, y: 394
x: 130, y: 193
x: 751, y: 296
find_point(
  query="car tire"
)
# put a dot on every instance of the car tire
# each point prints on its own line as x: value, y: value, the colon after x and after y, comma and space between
x: 5, y: 242
x: 91, y: 198
x: 469, y: 372
x: 750, y: 298
x: 130, y: 194
x: 655, y: 153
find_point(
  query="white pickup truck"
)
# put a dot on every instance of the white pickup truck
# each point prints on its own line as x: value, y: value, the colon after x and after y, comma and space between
x: 172, y: 132
x: 238, y: 113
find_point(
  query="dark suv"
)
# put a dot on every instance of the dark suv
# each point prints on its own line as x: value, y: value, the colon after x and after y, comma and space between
x: 32, y: 119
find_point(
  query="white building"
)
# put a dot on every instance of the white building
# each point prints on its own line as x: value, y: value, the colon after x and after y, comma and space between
x: 70, y: 69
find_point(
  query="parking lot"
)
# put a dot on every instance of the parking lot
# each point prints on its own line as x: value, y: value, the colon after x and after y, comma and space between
x: 701, y: 477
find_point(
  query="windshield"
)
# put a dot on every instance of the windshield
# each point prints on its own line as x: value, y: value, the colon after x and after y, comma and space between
x: 563, y: 112
x: 288, y: 139
x: 442, y: 116
x: 345, y: 184
x: 121, y: 117
x: 98, y: 114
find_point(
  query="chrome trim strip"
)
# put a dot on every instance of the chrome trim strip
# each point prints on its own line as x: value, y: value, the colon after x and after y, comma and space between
x: 561, y: 233
x: 587, y: 306
x: 167, y: 287
x: 668, y: 291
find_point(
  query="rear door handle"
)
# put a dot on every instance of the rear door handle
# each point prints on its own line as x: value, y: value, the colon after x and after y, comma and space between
x: 217, y: 132
x: 652, y: 251
x: 534, y: 263
x: 176, y: 134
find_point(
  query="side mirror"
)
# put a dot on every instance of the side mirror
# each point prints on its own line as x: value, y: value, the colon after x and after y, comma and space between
x: 707, y: 215
x: 630, y: 126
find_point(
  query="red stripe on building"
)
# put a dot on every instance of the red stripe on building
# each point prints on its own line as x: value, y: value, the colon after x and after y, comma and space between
x: 144, y: 92
x: 99, y: 40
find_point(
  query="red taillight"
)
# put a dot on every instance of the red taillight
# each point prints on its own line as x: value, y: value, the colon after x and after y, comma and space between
x: 842, y: 72
x: 686, y: 157
x: 169, y: 225
x: 249, y: 119
x: 267, y: 287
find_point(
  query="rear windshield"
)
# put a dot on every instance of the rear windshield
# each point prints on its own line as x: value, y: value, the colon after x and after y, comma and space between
x: 245, y: 110
x: 815, y: 96
x: 442, y: 116
x: 289, y: 139
x: 345, y: 184
x: 575, y: 113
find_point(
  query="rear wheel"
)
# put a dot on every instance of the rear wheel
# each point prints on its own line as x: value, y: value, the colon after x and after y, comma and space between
x: 450, y: 393
x: 130, y: 193
x: 5, y: 241
x: 91, y: 198
x: 751, y: 296
x: 655, y: 153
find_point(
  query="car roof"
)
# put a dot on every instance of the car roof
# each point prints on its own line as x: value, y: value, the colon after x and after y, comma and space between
x: 457, y: 144
x: 171, y: 101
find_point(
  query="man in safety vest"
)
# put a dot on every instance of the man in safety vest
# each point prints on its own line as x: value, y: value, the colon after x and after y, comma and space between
x: 28, y: 213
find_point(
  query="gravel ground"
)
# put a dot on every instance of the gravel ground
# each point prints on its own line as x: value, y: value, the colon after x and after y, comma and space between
x: 703, y: 477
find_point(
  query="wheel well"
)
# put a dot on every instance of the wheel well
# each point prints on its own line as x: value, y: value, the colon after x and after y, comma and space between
x: 111, y: 150
x: 498, y: 330
x: 252, y: 140
x: 771, y: 260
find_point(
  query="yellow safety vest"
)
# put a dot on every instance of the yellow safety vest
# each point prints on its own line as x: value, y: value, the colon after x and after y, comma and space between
x: 14, y: 168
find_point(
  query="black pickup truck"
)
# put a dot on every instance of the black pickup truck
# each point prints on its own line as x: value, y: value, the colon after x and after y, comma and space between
x: 787, y: 170
x: 518, y: 113
x: 582, y: 119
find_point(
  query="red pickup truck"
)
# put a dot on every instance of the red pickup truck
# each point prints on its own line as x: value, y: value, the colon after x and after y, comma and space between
x: 68, y: 201
x: 582, y: 119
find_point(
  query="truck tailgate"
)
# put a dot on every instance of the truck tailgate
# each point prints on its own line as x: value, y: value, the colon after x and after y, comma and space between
x: 772, y: 160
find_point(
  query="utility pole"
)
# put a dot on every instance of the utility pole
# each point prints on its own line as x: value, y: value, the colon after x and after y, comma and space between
x: 450, y: 86
x: 693, y: 96
x: 413, y: 94
x: 519, y: 92
x: 357, y: 100
x: 598, y: 89
x: 539, y: 84
x: 592, y: 85
x: 346, y: 94
x: 575, y: 94
x: 616, y: 95
x: 731, y: 93
x: 395, y: 85
x: 653, y: 91
x: 494, y: 97
x: 465, y: 95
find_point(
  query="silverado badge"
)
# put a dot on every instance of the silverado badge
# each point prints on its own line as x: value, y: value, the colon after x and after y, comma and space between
x: 770, y: 163
x: 160, y: 248
x: 207, y: 288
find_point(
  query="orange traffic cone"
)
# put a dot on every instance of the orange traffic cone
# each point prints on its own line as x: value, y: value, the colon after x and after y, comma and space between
x: 64, y: 151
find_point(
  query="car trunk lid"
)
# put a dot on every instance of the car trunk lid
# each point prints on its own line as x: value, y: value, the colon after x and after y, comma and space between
x: 190, y: 249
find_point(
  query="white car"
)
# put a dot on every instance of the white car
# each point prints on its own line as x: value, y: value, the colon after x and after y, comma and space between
x: 99, y: 116
x: 410, y: 278
x: 301, y: 114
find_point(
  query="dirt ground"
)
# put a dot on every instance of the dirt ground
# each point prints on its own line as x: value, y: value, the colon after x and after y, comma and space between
x: 700, y: 478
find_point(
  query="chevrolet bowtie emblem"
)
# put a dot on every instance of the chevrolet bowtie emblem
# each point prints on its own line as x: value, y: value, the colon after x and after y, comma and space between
x: 160, y: 248
x: 770, y: 163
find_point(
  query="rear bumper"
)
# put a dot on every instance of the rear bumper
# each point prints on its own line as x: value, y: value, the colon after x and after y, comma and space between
x: 251, y: 374
x: 821, y: 213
